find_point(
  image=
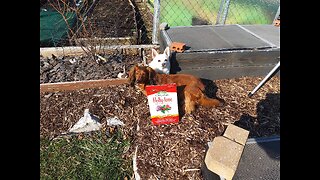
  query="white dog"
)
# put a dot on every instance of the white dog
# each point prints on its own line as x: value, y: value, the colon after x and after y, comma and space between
x: 160, y: 62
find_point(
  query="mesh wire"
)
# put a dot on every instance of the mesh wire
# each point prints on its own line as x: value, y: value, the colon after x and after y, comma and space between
x: 252, y: 11
x: 189, y: 12
x: 129, y: 22
x: 204, y: 12
x: 98, y: 22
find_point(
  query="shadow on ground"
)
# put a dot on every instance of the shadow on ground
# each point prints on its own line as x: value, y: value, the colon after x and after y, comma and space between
x: 266, y: 126
x: 261, y: 157
x: 267, y: 122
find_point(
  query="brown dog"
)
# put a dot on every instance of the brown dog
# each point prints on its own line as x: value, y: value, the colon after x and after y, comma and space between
x: 190, y: 88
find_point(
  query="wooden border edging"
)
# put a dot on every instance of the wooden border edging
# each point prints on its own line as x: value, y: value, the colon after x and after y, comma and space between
x: 77, y: 85
x: 105, y: 41
x: 78, y: 50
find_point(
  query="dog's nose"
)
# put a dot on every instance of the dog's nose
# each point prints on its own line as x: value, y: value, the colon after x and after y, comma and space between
x: 163, y: 64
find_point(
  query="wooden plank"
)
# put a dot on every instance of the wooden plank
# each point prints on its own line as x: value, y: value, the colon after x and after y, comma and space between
x: 59, y: 51
x: 78, y: 50
x: 77, y: 85
x: 106, y: 41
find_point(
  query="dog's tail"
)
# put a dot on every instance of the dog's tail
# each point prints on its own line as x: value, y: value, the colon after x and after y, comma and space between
x: 210, y: 102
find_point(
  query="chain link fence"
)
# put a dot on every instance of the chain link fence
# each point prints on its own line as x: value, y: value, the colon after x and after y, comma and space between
x: 213, y: 12
x: 205, y: 12
x: 116, y: 23
x: 90, y: 23
x: 189, y: 12
x: 252, y: 11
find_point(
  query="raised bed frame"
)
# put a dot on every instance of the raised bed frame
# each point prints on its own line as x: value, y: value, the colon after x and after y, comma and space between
x: 77, y: 51
x: 236, y: 56
x: 76, y: 85
x: 82, y: 50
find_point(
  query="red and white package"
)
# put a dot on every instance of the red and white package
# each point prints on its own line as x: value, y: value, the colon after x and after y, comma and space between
x: 163, y: 103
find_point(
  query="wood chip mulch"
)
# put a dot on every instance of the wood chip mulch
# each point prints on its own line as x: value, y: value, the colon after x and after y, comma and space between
x: 168, y: 151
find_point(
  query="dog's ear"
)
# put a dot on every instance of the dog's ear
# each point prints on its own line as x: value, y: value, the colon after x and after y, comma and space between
x: 167, y: 51
x: 132, y: 75
x: 152, y: 75
x: 154, y: 53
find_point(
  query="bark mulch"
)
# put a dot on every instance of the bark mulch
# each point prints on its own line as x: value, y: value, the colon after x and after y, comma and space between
x: 168, y: 151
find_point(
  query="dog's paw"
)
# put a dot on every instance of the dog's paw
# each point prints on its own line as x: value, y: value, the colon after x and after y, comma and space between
x: 221, y: 103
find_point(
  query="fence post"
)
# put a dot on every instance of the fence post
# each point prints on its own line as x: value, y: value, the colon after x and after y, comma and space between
x: 156, y: 20
x: 219, y: 12
x: 226, y: 4
x: 277, y: 14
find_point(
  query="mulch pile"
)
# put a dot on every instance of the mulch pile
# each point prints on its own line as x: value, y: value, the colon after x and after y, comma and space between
x: 168, y: 151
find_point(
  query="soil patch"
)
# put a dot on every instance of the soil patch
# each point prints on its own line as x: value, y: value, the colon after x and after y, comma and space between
x: 111, y: 18
x: 166, y: 151
x: 65, y: 69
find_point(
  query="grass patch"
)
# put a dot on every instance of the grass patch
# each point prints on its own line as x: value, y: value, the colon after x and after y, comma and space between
x: 175, y: 14
x: 180, y: 12
x: 245, y: 13
x: 93, y: 157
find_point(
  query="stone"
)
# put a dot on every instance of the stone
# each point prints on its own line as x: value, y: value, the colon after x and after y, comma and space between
x: 236, y: 134
x: 223, y: 157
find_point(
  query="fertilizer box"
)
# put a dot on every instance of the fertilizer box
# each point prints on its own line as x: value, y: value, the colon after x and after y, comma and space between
x: 163, y: 103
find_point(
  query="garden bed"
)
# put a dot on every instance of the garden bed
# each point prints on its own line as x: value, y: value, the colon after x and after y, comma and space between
x: 110, y: 22
x: 80, y: 68
x: 104, y: 22
x: 167, y: 151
